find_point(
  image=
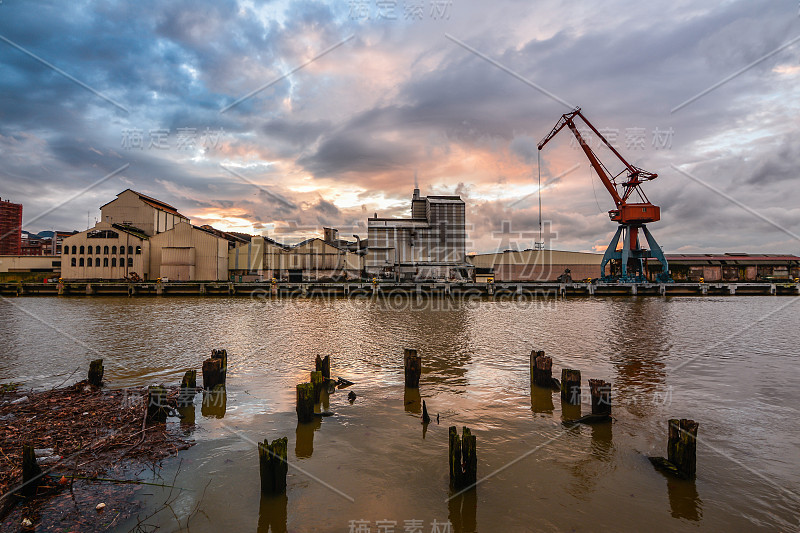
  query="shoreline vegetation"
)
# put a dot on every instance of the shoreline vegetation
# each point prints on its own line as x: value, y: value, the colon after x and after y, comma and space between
x: 91, y: 446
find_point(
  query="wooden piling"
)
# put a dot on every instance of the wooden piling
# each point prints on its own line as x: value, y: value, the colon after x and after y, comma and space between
x: 323, y: 364
x: 188, y: 388
x: 413, y: 367
x: 305, y: 402
x: 601, y: 397
x: 96, y: 372
x: 157, y: 407
x: 544, y: 371
x: 463, y: 458
x: 682, y: 446
x: 31, y: 473
x: 535, y: 355
x: 570, y: 386
x: 319, y: 384
x: 215, y: 369
x: 273, y: 465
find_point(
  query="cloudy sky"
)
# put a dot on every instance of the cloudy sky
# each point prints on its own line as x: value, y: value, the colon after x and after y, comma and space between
x: 277, y: 118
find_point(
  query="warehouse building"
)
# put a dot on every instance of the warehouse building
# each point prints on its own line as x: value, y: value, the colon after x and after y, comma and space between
x: 539, y: 265
x: 429, y: 245
x: 733, y: 267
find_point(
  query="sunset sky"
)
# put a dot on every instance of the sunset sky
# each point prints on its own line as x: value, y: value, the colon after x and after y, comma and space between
x: 349, y: 100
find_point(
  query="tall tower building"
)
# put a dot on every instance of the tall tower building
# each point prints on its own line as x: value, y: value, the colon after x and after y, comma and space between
x: 10, y: 228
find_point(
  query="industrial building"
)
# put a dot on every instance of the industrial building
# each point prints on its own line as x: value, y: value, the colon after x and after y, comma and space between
x: 10, y: 228
x: 311, y: 260
x: 140, y: 237
x: 538, y: 265
x: 431, y: 244
x: 734, y: 267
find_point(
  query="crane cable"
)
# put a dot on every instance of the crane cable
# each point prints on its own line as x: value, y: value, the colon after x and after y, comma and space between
x: 539, y: 193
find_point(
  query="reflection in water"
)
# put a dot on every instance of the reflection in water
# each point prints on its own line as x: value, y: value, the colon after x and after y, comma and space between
x: 325, y: 400
x: 412, y: 401
x: 541, y: 399
x: 304, y: 438
x: 684, y: 501
x: 215, y: 402
x: 188, y: 414
x: 272, y: 514
x: 639, y: 362
x: 570, y: 412
x: 462, y: 511
x: 602, y: 445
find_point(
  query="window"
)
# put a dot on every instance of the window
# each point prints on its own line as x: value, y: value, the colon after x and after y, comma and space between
x: 138, y: 250
x: 97, y: 261
x: 66, y: 250
x: 105, y: 250
x: 113, y: 262
x: 130, y: 261
x: 113, y: 250
x: 74, y: 250
x: 73, y: 262
x: 130, y: 250
x: 81, y: 262
x: 105, y: 261
x: 121, y: 250
x: 97, y: 249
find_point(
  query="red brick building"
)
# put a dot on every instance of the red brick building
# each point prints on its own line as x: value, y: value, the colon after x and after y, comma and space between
x: 10, y: 228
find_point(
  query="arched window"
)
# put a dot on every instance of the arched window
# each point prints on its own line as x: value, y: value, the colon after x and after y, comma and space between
x: 122, y: 250
x: 130, y: 250
x: 97, y: 261
x: 105, y: 250
x: 130, y: 261
x: 81, y: 261
x: 74, y: 249
x: 97, y: 249
x: 88, y: 248
x: 72, y: 262
x: 113, y: 250
x: 113, y: 261
x: 66, y: 250
x: 138, y: 250
x: 105, y: 261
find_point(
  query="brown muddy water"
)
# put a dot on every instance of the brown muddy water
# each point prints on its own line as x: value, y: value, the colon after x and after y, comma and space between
x: 729, y: 363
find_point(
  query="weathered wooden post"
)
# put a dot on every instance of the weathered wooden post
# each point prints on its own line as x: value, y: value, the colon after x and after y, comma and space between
x: 570, y: 386
x: 31, y: 473
x: 682, y: 446
x: 96, y: 372
x: 463, y: 458
x: 157, y: 408
x: 319, y: 384
x: 601, y: 397
x: 324, y: 365
x: 534, y: 355
x: 305, y: 402
x: 544, y: 371
x: 273, y: 465
x: 188, y: 388
x: 413, y: 367
x: 215, y: 369
x: 215, y: 402
x: 425, y: 418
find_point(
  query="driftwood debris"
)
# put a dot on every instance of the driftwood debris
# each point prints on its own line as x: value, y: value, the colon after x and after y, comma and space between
x: 96, y: 372
x: 463, y: 458
x: 681, y: 460
x: 215, y: 369
x: 305, y: 402
x: 273, y: 465
x: 412, y: 364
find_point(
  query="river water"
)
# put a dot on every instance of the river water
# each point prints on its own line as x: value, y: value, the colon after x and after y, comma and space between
x: 730, y: 363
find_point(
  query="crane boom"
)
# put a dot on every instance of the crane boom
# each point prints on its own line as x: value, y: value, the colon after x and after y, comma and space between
x: 631, y: 216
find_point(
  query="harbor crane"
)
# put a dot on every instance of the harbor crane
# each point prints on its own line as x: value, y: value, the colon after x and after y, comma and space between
x: 632, y: 211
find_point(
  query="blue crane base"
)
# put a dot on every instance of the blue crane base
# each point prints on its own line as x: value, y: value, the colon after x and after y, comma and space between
x: 635, y: 256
